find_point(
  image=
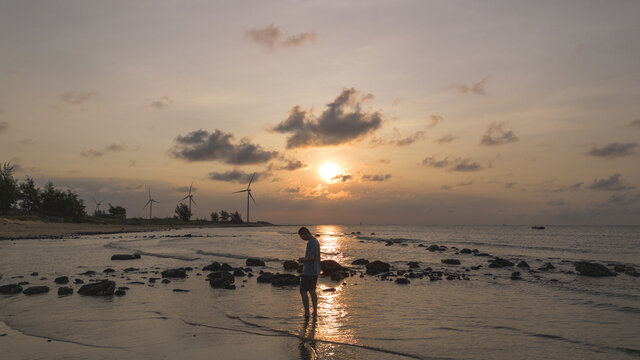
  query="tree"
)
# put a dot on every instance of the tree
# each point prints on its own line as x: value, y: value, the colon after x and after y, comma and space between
x: 236, y: 218
x: 58, y: 203
x: 214, y: 216
x: 29, y: 197
x: 117, y: 211
x: 182, y: 212
x: 224, y: 216
x: 8, y: 187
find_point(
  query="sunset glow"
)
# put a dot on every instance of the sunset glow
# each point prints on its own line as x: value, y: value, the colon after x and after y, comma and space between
x: 329, y: 171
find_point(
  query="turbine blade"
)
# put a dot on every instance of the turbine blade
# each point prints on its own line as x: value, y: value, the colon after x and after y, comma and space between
x: 235, y: 192
x: 252, y: 176
x: 186, y: 197
x: 149, y: 192
x: 251, y: 196
x: 145, y: 205
x: 194, y: 202
x: 191, y: 186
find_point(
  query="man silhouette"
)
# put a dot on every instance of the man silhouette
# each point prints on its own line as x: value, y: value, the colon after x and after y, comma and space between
x: 310, y: 271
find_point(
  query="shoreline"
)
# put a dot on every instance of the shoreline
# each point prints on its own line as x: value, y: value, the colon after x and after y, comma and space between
x: 11, y: 229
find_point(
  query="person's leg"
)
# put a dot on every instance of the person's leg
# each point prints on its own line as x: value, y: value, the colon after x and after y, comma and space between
x: 305, y: 302
x: 314, y: 300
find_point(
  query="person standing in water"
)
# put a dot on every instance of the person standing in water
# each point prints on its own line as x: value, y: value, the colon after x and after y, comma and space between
x: 310, y: 271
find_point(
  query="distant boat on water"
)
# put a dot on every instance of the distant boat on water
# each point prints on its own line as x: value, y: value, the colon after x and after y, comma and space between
x: 538, y: 227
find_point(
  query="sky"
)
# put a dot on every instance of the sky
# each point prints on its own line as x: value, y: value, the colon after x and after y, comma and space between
x: 380, y: 112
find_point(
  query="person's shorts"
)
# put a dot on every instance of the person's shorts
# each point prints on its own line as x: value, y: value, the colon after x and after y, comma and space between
x: 308, y: 282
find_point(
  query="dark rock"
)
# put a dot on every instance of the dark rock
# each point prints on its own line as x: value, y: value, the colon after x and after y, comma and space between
x: 377, y: 267
x: 255, y: 262
x: 265, y: 277
x: 153, y: 280
x: 465, y: 251
x: 238, y: 272
x: 402, y: 281
x: 78, y: 281
x: 220, y: 279
x: 88, y: 272
x: 451, y: 261
x: 23, y: 283
x: 360, y: 262
x: 108, y: 270
x: 476, y: 267
x: 593, y: 269
x: 500, y: 263
x: 339, y: 275
x: 166, y: 281
x: 125, y: 257
x: 120, y: 293
x: 522, y: 264
x: 515, y: 275
x: 35, y: 273
x: 300, y: 268
x: 180, y: 290
x: 135, y: 283
x: 482, y: 254
x: 10, y: 289
x: 100, y: 288
x: 214, y: 266
x: 285, y: 280
x: 329, y: 290
x: 125, y: 288
x: 35, y: 290
x: 174, y: 273
x: 230, y: 287
x: 290, y: 265
x: 226, y: 267
x: 329, y: 266
x: 434, y: 247
x: 130, y: 269
x: 546, y: 267
x: 65, y: 291
x: 413, y: 264
x: 629, y: 270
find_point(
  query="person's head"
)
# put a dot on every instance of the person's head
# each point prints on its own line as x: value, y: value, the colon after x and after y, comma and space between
x: 304, y: 233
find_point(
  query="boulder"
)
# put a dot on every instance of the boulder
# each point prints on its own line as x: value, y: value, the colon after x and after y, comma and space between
x: 125, y: 257
x: 413, y: 264
x: 255, y: 262
x: 285, y: 280
x: 377, y: 267
x: 481, y: 254
x: 220, y: 279
x: 290, y: 265
x: 500, y: 263
x: 238, y: 272
x: 130, y: 269
x: 62, y: 291
x: 329, y: 290
x: 515, y: 275
x: 329, y: 266
x: 10, y: 289
x: 36, y: 290
x: 214, y: 266
x: 174, y: 273
x: 62, y: 280
x: 339, y: 275
x: 451, y: 261
x: 108, y: 270
x: 522, y: 264
x: 265, y: 277
x: 546, y: 267
x: 100, y: 288
x: 434, y: 247
x: 120, y: 293
x: 89, y: 273
x: 465, y: 251
x: 181, y: 290
x: 592, y: 269
x: 402, y: 281
x: 360, y: 262
x: 226, y: 267
x: 78, y: 281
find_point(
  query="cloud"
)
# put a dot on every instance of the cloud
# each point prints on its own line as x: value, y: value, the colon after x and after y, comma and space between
x: 555, y: 203
x: 342, y: 178
x: 434, y: 119
x: 465, y: 183
x: 186, y: 189
x: 459, y: 164
x: 305, y: 191
x: 342, y: 194
x: 510, y: 185
x: 573, y: 187
x: 444, y: 139
x: 4, y: 126
x: 342, y: 122
x: 397, y: 140
x: 271, y: 36
x: 200, y: 145
x: 78, y: 98
x: 91, y: 153
x: 613, y: 150
x: 375, y: 177
x: 613, y: 183
x: 477, y: 88
x: 162, y: 103
x: 237, y: 176
x: 114, y: 147
x: 497, y: 135
x: 446, y: 187
x: 431, y: 161
x: 292, y: 164
x: 635, y: 123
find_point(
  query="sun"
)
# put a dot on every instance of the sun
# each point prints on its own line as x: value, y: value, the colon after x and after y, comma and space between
x: 329, y: 171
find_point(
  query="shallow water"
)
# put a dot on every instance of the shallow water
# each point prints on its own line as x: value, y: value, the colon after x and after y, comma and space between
x: 555, y: 314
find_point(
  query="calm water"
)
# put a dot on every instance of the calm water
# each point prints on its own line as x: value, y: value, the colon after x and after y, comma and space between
x: 555, y: 314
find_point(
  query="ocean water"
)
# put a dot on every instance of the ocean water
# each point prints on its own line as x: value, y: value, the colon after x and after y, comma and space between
x: 554, y: 314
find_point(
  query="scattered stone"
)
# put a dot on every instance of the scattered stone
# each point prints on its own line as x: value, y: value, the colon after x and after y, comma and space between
x: 166, y: 281
x: 476, y: 267
x: 63, y: 291
x: 124, y: 288
x: 100, y: 288
x: 130, y: 269
x: 402, y: 281
x: 255, y: 262
x: 214, y: 266
x: 35, y: 273
x: 181, y: 290
x: 451, y: 261
x: 515, y: 275
x: 285, y: 280
x: 78, y: 281
x: 226, y: 267
x: 174, y: 273
x: 23, y: 283
x: 413, y: 264
x: 629, y: 270
x: 434, y: 247
x: 265, y: 277
x: 377, y: 267
x: 360, y: 262
x: 593, y: 269
x: 89, y: 272
x: 546, y: 267
x: 10, y: 289
x: 35, y: 290
x: 135, y: 283
x: 153, y: 280
x: 62, y: 280
x: 329, y: 266
x: 329, y: 290
x: 220, y: 279
x: 120, y: 293
x: 465, y: 251
x: 523, y: 264
x: 125, y: 257
x: 230, y: 287
x: 238, y: 272
x: 290, y: 265
x: 500, y: 263
x: 482, y: 254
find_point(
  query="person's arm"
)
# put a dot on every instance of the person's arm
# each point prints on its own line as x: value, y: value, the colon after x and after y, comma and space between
x: 309, y: 255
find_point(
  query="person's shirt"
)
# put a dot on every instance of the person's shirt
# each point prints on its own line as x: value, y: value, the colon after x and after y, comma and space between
x: 312, y: 267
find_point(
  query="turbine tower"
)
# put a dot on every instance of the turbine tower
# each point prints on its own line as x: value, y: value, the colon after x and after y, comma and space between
x: 98, y: 203
x: 190, y: 197
x: 150, y: 203
x: 248, y: 191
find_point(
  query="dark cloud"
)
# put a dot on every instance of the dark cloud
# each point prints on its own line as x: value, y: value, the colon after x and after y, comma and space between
x: 497, y: 135
x: 78, y: 98
x: 613, y: 150
x: 237, y: 176
x: 114, y: 147
x: 398, y: 140
x: 444, y: 139
x: 573, y: 187
x: 200, y: 145
x: 342, y: 178
x: 459, y: 164
x: 465, y: 183
x: 434, y: 119
x: 635, y: 123
x: 446, y: 187
x: 4, y: 126
x: 477, y: 88
x: 613, y: 183
x: 91, y: 153
x: 376, y: 177
x: 271, y: 36
x: 555, y: 203
x: 292, y: 164
x: 433, y: 162
x: 162, y: 103
x: 342, y: 122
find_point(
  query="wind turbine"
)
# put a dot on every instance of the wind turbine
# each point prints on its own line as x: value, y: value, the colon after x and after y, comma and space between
x: 248, y: 191
x: 190, y: 197
x: 98, y: 203
x: 150, y: 203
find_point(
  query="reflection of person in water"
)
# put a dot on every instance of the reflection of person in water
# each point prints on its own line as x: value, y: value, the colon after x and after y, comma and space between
x: 310, y: 271
x: 307, y: 344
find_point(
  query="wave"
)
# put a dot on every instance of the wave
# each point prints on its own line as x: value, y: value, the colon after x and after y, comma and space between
x: 382, y: 239
x: 146, y: 253
x: 236, y: 256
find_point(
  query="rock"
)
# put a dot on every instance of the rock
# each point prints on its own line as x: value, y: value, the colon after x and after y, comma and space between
x: 402, y: 281
x: 125, y: 257
x: 586, y: 268
x: 124, y: 288
x: 130, y: 269
x: 254, y: 262
x: 481, y: 254
x: 10, y: 289
x: 78, y: 281
x: 515, y: 275
x: 265, y: 277
x: 451, y: 261
x: 500, y: 263
x: 377, y: 267
x: 62, y: 280
x: 338, y: 275
x: 290, y: 265
x: 629, y: 270
x: 180, y: 290
x: 166, y: 281
x: 89, y: 273
x: 174, y: 273
x: 360, y: 262
x: 285, y: 280
x: 329, y: 266
x: 465, y: 251
x: 63, y: 291
x: 214, y: 266
x: 434, y: 247
x: 238, y: 272
x: 546, y: 267
x: 226, y: 267
x: 413, y: 264
x: 23, y: 283
x: 522, y: 264
x: 220, y: 279
x: 108, y: 270
x: 100, y: 288
x: 35, y: 273
x: 35, y: 290
x: 230, y: 287
x: 120, y: 293
x: 329, y: 290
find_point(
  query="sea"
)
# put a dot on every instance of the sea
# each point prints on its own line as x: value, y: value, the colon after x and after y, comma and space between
x: 479, y: 313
